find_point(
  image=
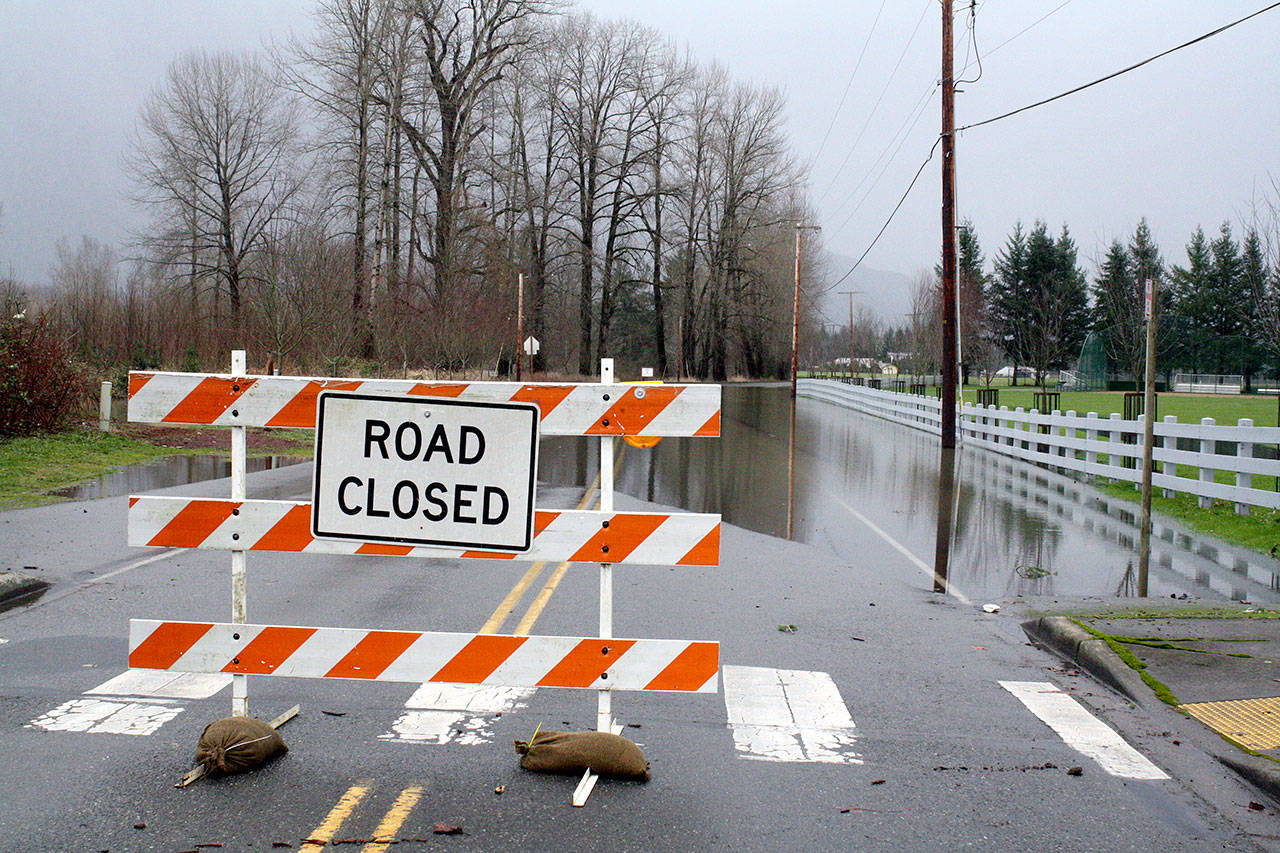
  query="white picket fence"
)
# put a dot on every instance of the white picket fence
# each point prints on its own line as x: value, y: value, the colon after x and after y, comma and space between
x: 1093, y: 446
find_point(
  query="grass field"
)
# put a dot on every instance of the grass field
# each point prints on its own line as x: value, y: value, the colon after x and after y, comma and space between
x: 1189, y: 408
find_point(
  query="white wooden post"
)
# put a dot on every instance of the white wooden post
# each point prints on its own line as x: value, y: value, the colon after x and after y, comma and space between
x: 104, y: 407
x: 1207, y: 447
x: 1169, y: 442
x: 1006, y: 423
x: 1114, y: 459
x: 1244, y: 479
x: 1090, y: 436
x: 1069, y: 431
x: 1018, y: 426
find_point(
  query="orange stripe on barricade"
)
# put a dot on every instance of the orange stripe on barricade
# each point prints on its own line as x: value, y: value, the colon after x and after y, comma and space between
x: 711, y: 429
x: 268, y: 650
x: 193, y: 523
x: 381, y: 549
x: 631, y: 414
x: 373, y: 654
x: 423, y: 389
x: 291, y: 533
x: 137, y: 380
x: 542, y: 520
x: 586, y: 663
x: 301, y: 410
x: 621, y: 535
x: 478, y: 659
x: 691, y: 669
x: 488, y: 555
x: 546, y: 396
x: 705, y: 553
x: 168, y: 642
x: 208, y: 400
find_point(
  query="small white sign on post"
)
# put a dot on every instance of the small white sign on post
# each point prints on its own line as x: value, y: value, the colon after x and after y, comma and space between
x: 532, y: 345
x: 425, y: 471
x: 646, y: 373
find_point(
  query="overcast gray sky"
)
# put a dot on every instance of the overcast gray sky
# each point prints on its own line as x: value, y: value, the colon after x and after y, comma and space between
x: 1191, y: 139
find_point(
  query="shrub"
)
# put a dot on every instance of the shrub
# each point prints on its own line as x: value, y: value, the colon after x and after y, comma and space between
x: 40, y: 388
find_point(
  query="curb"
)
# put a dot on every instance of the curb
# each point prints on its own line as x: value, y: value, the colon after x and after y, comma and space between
x: 18, y: 588
x: 1069, y: 640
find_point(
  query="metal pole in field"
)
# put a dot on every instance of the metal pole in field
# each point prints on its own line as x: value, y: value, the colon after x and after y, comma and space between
x: 1148, y: 433
x: 239, y: 606
x: 520, y: 329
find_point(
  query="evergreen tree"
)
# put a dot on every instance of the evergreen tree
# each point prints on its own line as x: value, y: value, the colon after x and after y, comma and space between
x: 1007, y: 300
x: 1192, y: 305
x: 1253, y: 272
x: 1058, y: 301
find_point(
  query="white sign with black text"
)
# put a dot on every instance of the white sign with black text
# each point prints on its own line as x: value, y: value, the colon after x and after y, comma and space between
x: 425, y: 471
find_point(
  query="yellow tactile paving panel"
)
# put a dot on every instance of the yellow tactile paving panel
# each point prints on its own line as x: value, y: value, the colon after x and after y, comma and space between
x: 1254, y: 723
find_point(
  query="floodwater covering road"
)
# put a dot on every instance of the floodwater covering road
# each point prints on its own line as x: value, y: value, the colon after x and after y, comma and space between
x: 1020, y: 529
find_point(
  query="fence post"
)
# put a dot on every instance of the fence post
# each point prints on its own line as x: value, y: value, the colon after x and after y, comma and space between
x: 1115, y: 460
x: 1170, y: 442
x: 1018, y: 426
x: 104, y: 407
x: 1244, y: 479
x: 1057, y: 429
x: 1090, y: 436
x: 1207, y: 447
x: 1069, y: 431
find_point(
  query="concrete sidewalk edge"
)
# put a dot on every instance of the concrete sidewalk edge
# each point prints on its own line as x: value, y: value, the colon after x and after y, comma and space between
x: 1067, y: 639
x: 18, y: 588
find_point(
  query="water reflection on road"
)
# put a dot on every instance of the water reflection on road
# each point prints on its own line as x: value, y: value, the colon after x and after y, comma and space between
x: 1019, y: 529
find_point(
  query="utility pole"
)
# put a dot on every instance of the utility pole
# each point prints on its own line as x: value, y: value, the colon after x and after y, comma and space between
x: 1148, y: 439
x: 851, y: 293
x: 947, y: 411
x: 520, y: 330
x: 948, y: 235
x: 795, y: 310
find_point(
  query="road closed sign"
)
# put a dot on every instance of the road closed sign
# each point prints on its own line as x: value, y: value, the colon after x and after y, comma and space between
x: 427, y: 471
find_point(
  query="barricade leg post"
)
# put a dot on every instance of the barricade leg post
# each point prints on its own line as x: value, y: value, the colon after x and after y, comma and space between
x: 239, y: 606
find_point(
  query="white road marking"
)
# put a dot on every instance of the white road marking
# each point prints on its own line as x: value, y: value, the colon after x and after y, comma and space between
x: 455, y: 713
x: 100, y: 716
x: 163, y: 684
x: 902, y: 549
x: 128, y: 716
x: 788, y: 715
x: 1083, y: 731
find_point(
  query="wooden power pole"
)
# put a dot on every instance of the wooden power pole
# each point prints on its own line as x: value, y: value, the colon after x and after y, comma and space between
x: 947, y: 457
x: 948, y: 235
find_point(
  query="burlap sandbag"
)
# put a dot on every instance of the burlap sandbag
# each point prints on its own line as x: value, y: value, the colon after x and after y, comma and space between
x: 574, y: 753
x: 236, y: 744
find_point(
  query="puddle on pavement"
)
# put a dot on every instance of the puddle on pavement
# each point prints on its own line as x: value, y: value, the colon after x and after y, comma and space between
x: 169, y: 471
x: 1018, y: 529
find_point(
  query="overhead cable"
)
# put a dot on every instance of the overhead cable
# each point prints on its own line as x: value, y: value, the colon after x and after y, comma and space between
x: 1115, y: 74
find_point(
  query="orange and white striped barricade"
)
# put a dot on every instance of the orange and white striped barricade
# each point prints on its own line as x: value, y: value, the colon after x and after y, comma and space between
x: 603, y: 536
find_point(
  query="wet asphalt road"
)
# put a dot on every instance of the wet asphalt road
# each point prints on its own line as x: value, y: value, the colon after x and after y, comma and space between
x: 948, y: 758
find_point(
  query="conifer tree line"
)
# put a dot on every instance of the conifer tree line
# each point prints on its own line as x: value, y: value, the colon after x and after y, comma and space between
x: 1032, y: 307
x: 372, y: 194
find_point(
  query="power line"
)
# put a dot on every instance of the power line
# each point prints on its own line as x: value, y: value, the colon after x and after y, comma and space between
x: 1029, y: 26
x: 852, y: 74
x: 896, y: 208
x: 871, y: 114
x: 1115, y: 74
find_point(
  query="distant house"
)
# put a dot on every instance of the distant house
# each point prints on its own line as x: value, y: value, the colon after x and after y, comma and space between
x: 1006, y: 372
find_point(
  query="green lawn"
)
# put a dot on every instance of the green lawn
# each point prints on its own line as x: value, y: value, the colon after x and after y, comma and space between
x: 31, y: 467
x: 1189, y: 408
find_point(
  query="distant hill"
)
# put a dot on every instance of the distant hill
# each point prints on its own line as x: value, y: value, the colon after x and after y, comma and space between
x: 884, y: 292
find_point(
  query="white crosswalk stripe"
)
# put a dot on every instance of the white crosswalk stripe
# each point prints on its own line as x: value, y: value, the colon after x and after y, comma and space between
x: 1082, y: 731
x: 146, y: 702
x: 788, y: 715
x: 455, y: 713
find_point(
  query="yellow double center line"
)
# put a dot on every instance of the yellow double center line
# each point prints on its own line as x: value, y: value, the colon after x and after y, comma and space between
x: 539, y: 603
